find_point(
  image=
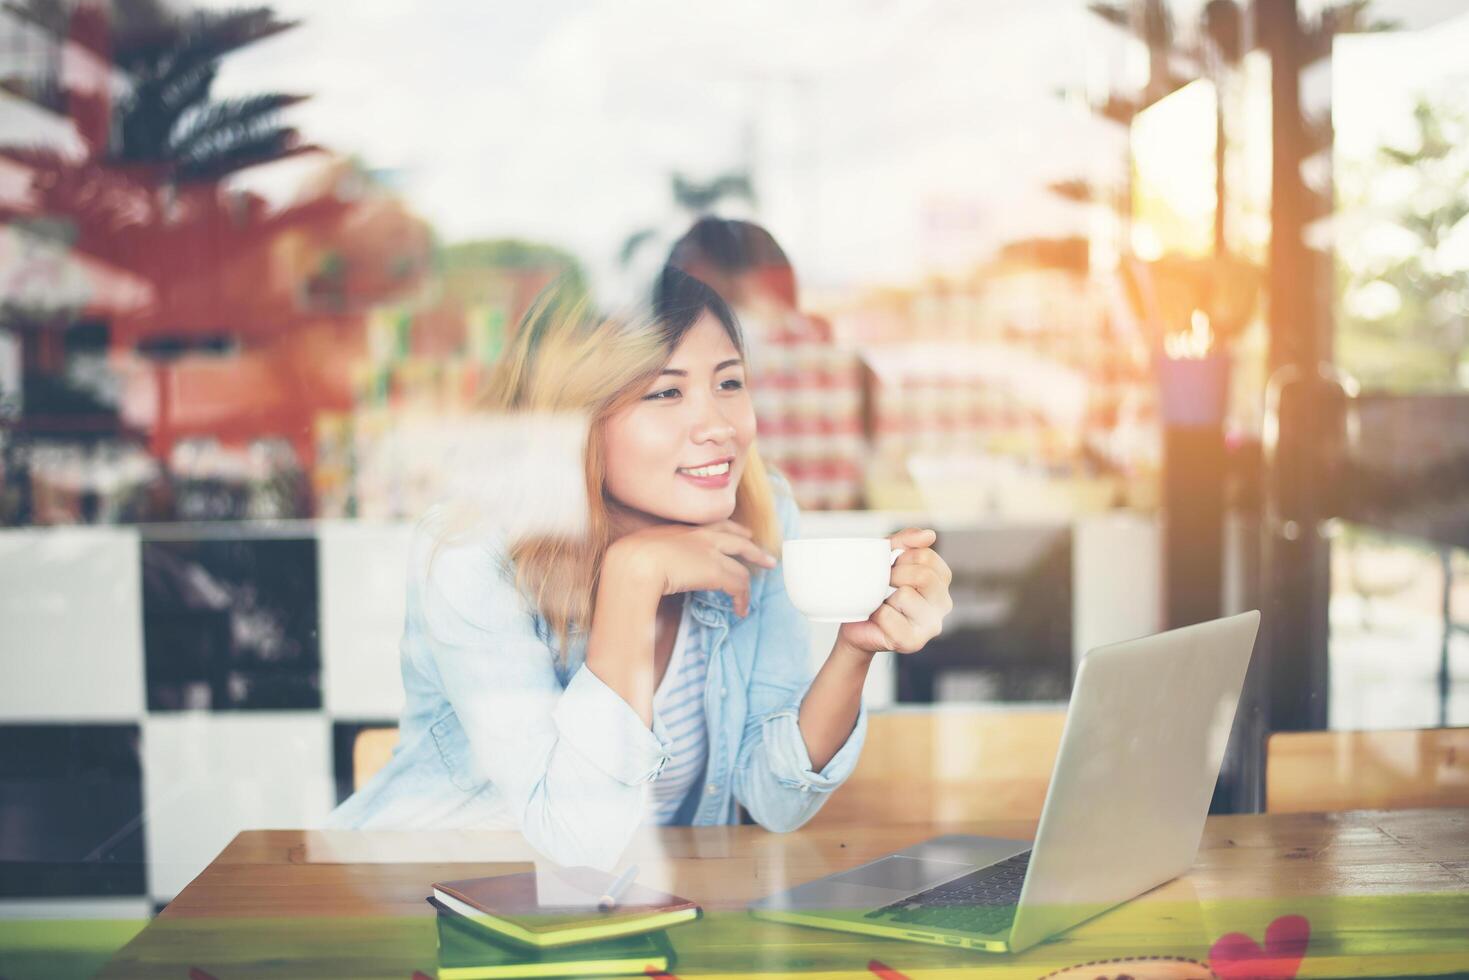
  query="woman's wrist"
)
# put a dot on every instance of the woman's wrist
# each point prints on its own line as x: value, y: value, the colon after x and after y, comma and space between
x: 834, y: 702
x: 849, y: 653
x: 620, y: 647
x: 627, y: 577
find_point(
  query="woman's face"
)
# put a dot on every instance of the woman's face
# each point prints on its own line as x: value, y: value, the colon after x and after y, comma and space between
x: 677, y: 453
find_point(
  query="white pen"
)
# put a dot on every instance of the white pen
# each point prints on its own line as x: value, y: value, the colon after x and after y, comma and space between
x: 619, y: 885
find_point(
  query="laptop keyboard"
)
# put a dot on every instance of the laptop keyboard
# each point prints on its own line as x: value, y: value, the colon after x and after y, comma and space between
x: 983, y: 901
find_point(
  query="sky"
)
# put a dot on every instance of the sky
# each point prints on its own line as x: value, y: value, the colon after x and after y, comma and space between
x: 885, y: 138
x: 889, y: 138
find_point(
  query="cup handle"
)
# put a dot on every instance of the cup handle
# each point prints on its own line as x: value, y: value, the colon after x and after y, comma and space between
x: 892, y: 560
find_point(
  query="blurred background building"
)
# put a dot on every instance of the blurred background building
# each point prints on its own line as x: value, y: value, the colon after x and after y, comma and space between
x: 1155, y: 309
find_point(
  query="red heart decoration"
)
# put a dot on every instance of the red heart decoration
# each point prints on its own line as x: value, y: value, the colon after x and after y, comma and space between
x: 1236, y: 957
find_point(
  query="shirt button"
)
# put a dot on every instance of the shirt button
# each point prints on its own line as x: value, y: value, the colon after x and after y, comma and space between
x: 724, y: 692
x: 713, y: 789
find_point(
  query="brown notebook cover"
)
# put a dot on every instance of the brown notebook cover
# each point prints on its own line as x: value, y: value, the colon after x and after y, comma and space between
x: 511, y: 906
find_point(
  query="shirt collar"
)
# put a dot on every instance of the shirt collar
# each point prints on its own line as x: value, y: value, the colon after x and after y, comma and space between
x: 710, y: 607
x: 717, y: 607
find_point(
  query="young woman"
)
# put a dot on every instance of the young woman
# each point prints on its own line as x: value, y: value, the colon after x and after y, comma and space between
x: 653, y: 670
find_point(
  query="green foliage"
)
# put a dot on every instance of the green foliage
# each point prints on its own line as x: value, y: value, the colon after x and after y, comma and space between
x: 515, y: 253
x: 1404, y: 321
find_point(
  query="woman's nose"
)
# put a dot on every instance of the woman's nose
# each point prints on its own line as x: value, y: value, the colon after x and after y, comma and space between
x: 713, y: 422
x: 713, y: 425
x: 714, y: 430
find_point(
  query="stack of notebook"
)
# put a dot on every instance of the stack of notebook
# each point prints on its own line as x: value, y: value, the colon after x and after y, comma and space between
x: 508, y: 926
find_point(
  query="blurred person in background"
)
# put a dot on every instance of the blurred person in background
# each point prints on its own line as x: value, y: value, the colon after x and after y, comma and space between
x: 654, y: 670
x: 746, y: 266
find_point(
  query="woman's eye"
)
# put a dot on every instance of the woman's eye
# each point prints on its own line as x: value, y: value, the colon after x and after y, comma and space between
x: 729, y: 384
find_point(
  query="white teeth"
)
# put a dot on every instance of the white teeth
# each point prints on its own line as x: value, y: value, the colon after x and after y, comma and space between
x: 718, y: 469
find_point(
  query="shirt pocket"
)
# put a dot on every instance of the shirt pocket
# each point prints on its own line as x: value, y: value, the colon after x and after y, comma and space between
x: 453, y: 748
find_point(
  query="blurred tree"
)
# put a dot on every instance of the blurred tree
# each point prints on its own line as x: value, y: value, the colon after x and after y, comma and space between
x: 516, y: 253
x: 693, y: 199
x: 504, y: 277
x: 147, y: 196
x: 698, y: 198
x: 1405, y: 319
x: 167, y: 119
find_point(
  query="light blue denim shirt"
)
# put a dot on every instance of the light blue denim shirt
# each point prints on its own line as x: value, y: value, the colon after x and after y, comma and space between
x: 498, y: 732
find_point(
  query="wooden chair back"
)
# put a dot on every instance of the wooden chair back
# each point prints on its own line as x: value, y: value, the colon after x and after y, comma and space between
x: 1308, y: 772
x: 949, y: 763
x: 918, y: 766
x: 371, y: 750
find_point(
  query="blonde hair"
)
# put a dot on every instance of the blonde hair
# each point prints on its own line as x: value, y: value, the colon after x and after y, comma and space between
x: 564, y: 359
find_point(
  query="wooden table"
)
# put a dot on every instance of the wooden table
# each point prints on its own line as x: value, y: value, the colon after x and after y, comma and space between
x: 1385, y: 893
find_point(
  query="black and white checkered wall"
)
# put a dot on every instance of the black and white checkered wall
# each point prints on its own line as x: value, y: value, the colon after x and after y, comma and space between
x: 163, y: 688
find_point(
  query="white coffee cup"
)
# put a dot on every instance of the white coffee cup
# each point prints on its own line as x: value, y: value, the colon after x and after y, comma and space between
x: 838, y: 580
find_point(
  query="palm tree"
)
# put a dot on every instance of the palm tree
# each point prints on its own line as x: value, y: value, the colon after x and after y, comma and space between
x: 168, y: 125
x: 162, y: 146
x: 170, y: 119
x: 146, y: 197
x: 693, y: 199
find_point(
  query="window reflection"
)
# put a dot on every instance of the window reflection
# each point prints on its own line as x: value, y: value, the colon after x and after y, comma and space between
x: 1027, y: 276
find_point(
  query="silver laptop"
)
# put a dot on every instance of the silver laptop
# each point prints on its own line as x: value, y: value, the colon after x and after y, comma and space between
x: 1144, y: 738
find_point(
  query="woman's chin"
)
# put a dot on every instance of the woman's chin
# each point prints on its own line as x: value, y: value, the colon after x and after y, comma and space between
x: 717, y: 508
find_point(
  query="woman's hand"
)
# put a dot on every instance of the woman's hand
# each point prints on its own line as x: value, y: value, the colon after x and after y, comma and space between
x: 672, y: 558
x: 914, y: 614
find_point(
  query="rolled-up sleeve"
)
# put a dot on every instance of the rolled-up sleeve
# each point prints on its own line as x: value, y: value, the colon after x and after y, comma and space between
x: 791, y: 763
x: 774, y: 779
x: 608, y: 732
x: 573, y: 763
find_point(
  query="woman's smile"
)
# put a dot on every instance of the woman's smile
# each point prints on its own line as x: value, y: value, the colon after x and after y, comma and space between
x: 714, y: 475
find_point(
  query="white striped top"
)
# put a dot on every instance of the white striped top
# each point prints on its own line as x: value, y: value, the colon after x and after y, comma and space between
x: 679, y: 702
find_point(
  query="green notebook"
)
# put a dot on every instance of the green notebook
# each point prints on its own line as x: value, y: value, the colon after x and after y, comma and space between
x: 561, y: 910
x: 467, y: 952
